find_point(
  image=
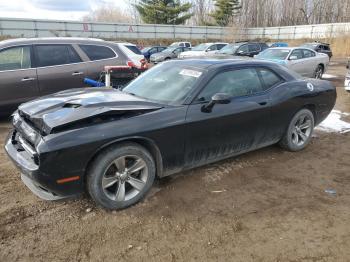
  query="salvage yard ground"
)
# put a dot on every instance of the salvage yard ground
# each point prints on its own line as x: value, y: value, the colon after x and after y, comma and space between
x: 268, y: 205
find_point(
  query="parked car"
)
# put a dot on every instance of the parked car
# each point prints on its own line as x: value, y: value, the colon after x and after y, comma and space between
x: 176, y: 116
x: 30, y: 68
x: 279, y: 44
x: 150, y: 50
x: 182, y: 44
x: 202, y: 50
x: 320, y: 48
x: 304, y: 61
x: 347, y: 78
x: 167, y: 54
x: 241, y: 49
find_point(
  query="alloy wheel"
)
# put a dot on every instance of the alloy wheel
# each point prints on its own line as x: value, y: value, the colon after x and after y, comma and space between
x: 302, y: 130
x: 125, y: 178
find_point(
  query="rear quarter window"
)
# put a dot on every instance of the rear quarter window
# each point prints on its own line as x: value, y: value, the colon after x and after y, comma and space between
x: 134, y: 49
x: 97, y: 52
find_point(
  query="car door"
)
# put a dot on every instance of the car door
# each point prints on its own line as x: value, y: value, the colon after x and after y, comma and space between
x: 296, y: 62
x: 311, y: 62
x: 18, y: 77
x: 254, y: 49
x: 59, y: 67
x: 243, y: 50
x: 228, y: 129
x: 211, y: 49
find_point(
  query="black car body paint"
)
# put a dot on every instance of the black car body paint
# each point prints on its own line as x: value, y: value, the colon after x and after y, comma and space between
x: 75, y: 125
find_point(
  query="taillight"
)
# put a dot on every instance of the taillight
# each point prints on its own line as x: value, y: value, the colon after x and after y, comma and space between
x: 144, y: 63
x: 131, y: 64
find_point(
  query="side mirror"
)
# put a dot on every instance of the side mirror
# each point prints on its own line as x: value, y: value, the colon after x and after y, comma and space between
x: 219, y: 98
x: 293, y: 57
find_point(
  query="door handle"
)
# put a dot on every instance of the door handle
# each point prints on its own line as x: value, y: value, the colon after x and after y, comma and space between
x: 26, y: 79
x: 77, y: 73
x: 264, y: 103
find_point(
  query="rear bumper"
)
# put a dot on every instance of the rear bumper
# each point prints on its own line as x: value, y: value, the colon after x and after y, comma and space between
x: 43, y: 185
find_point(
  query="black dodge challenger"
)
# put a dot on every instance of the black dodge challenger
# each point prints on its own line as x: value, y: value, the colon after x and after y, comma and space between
x: 176, y: 116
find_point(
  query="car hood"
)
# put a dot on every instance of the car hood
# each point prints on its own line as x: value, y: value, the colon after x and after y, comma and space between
x: 88, y: 104
x: 161, y: 54
x: 277, y: 61
x: 193, y: 53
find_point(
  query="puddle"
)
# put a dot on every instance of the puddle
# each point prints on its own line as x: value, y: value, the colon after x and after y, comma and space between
x: 333, y: 123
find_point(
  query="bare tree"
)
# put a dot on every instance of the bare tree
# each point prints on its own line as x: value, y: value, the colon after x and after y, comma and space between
x: 108, y: 13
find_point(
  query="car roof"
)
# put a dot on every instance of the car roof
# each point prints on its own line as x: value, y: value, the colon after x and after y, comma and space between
x: 291, y: 48
x: 217, y: 63
x: 49, y: 39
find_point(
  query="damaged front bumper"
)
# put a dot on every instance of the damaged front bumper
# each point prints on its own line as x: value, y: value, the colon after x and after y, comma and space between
x: 25, y: 159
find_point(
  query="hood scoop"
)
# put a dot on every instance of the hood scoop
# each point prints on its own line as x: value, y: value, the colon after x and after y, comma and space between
x: 71, y: 105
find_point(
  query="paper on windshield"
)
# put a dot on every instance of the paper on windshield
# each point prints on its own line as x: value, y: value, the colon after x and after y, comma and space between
x: 189, y: 72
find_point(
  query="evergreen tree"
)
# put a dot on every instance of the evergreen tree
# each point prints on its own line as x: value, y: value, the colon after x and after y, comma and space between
x: 163, y: 11
x: 225, y: 10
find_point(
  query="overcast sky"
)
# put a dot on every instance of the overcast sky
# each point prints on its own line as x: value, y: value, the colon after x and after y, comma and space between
x: 52, y: 9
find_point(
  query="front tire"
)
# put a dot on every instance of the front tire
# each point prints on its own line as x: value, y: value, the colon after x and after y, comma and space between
x: 120, y: 176
x: 299, y: 132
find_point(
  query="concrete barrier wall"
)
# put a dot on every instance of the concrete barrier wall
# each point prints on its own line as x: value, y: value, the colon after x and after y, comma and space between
x: 50, y: 28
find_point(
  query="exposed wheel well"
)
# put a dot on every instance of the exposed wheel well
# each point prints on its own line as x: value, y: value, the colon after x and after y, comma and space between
x: 322, y: 65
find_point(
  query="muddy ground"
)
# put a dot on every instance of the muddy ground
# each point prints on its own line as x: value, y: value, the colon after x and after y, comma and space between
x: 268, y: 205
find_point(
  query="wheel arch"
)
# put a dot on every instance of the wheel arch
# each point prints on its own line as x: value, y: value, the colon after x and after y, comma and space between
x: 312, y: 108
x: 147, y: 143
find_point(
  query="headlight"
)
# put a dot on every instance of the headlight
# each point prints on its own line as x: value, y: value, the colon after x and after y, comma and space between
x: 29, y: 132
x: 15, y: 118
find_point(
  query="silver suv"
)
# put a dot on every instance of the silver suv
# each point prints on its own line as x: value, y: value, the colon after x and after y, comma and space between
x: 30, y: 68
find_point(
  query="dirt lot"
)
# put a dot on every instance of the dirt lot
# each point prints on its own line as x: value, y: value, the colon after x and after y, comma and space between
x: 268, y: 205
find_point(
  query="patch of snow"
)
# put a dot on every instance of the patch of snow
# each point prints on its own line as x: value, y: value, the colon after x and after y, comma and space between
x: 333, y: 123
x: 328, y: 76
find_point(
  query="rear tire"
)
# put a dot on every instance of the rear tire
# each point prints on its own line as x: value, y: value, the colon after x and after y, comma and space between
x: 299, y: 132
x: 120, y: 176
x: 319, y: 72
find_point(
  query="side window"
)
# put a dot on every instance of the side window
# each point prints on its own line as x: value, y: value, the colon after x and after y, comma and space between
x: 97, y: 52
x: 254, y: 48
x: 187, y: 44
x: 308, y: 53
x: 270, y: 78
x: 212, y: 48
x: 220, y: 46
x: 178, y: 50
x: 326, y: 47
x: 243, y: 48
x: 15, y: 58
x: 298, y: 53
x: 74, y: 57
x: 240, y: 82
x: 51, y: 55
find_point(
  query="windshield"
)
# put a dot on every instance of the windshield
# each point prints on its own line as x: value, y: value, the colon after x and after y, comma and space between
x: 201, y: 47
x: 146, y: 49
x: 165, y: 83
x: 273, y: 53
x: 229, y: 49
x: 169, y: 49
x: 310, y: 45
